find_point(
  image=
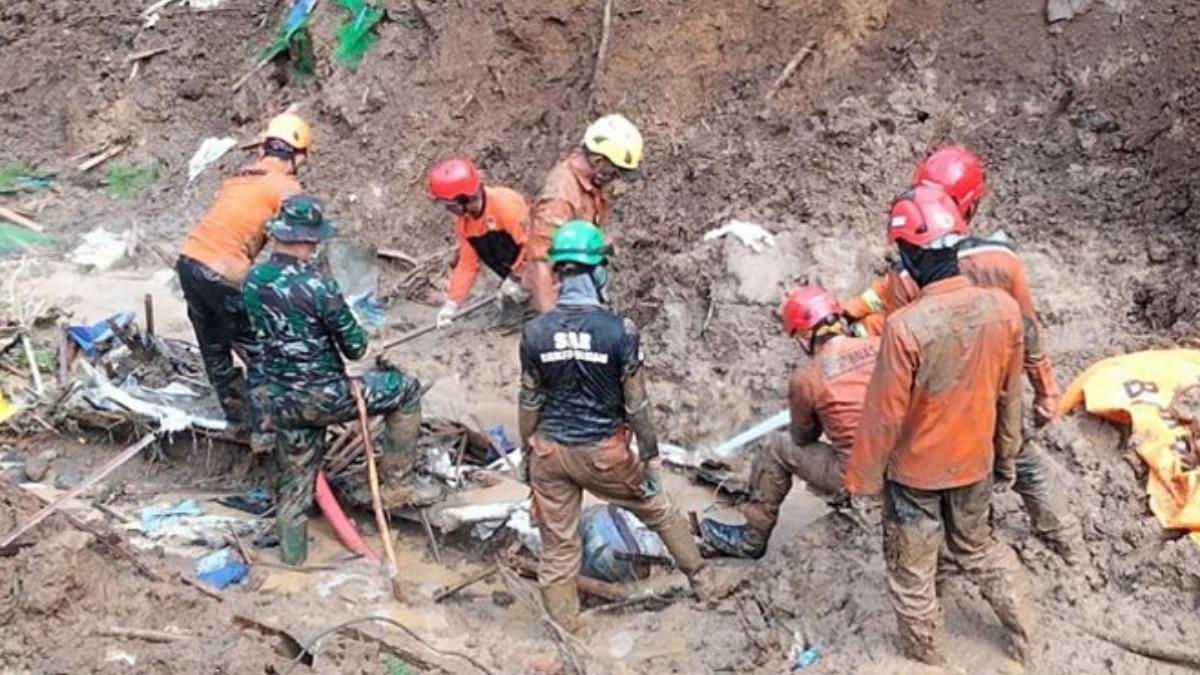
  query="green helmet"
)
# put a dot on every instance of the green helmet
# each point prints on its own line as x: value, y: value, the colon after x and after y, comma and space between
x: 302, y: 220
x: 578, y: 241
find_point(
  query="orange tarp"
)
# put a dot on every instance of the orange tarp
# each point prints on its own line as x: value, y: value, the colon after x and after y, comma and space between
x: 1138, y: 389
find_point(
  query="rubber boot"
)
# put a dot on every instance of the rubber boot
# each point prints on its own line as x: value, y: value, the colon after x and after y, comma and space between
x: 1008, y: 594
x: 706, y: 583
x: 921, y: 639
x: 400, y: 484
x: 736, y: 541
x: 293, y: 540
x: 562, y: 604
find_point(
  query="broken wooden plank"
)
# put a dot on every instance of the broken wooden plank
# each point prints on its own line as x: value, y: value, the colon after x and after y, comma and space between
x: 469, y: 581
x: 18, y: 219
x: 146, y: 634
x: 805, y: 52
x: 148, y: 53
x: 101, y: 158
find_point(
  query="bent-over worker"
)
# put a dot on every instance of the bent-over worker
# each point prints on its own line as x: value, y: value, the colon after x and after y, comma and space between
x: 824, y: 396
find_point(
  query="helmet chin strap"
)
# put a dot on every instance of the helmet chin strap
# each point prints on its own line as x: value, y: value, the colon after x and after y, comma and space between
x: 599, y: 276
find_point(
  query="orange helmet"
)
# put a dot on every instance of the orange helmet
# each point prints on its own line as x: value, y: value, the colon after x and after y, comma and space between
x: 924, y: 214
x: 808, y: 307
x: 290, y: 129
x: 959, y: 172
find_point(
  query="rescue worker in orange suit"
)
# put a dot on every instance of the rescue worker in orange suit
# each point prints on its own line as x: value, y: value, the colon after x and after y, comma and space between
x: 576, y: 189
x: 940, y: 424
x: 992, y: 263
x: 583, y: 395
x: 824, y: 396
x: 489, y: 226
x: 217, y: 256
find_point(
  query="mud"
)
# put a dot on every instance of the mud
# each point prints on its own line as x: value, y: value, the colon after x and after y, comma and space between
x: 1088, y: 128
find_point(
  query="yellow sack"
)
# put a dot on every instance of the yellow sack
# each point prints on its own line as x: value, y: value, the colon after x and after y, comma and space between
x: 7, y: 409
x: 1138, y: 389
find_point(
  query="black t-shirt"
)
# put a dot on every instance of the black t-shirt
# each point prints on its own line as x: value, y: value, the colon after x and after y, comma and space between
x: 497, y: 250
x: 578, y: 357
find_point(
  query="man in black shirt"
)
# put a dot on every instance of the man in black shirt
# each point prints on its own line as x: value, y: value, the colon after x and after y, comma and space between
x: 583, y: 395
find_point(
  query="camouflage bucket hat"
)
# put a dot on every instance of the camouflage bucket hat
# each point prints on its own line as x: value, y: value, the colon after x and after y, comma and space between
x: 302, y: 220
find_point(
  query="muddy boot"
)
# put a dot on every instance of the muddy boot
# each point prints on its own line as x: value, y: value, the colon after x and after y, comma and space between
x: 562, y: 604
x: 293, y: 540
x: 707, y: 583
x: 400, y: 486
x: 921, y: 640
x: 1068, y: 545
x: 736, y: 541
x: 1008, y: 594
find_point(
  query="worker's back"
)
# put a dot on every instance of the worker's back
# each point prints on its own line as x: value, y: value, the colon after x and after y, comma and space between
x: 579, y: 356
x: 233, y: 231
x: 834, y: 383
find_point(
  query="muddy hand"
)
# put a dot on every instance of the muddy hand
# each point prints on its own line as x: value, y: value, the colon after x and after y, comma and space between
x: 651, y: 480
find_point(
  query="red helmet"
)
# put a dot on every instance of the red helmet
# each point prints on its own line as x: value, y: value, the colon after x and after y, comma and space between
x: 923, y: 214
x: 959, y: 172
x: 807, y: 307
x: 454, y: 178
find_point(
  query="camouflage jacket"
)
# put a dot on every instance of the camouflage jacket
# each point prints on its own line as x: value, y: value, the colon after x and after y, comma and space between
x: 303, y: 326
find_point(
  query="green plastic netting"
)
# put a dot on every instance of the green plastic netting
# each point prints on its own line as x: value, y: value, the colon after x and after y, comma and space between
x: 357, y: 35
x: 14, y: 239
x: 125, y: 182
x: 16, y: 176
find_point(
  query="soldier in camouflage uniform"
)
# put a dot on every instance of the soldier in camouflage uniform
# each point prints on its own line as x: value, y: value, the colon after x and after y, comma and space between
x: 306, y: 328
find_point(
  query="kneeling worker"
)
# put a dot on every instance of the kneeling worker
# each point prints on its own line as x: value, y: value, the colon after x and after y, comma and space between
x: 825, y: 395
x: 305, y: 328
x: 582, y: 393
x: 489, y: 226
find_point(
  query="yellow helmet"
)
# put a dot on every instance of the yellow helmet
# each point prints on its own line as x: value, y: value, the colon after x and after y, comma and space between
x: 617, y: 140
x: 290, y: 129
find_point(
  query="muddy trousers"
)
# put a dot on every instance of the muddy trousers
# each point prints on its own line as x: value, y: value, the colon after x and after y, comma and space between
x: 1046, y: 503
x: 538, y: 279
x: 300, y: 444
x: 915, y: 523
x: 558, y: 475
x: 817, y: 464
x: 219, y: 319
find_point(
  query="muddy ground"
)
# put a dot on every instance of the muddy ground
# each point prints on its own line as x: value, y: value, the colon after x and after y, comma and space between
x: 1088, y: 127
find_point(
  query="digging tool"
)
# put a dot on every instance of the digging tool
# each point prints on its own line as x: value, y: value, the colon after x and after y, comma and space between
x: 418, y: 332
x: 88, y: 482
x: 731, y: 447
x: 376, y: 500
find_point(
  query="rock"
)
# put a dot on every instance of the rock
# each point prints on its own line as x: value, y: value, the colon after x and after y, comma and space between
x: 67, y: 477
x: 37, y: 467
x: 1065, y: 10
x: 1159, y: 253
x: 193, y: 90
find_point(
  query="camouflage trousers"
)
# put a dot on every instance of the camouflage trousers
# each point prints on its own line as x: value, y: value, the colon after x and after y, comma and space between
x: 300, y: 442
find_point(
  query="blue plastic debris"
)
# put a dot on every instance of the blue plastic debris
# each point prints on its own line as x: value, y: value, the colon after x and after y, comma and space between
x: 224, y: 577
x: 371, y: 311
x: 213, y: 561
x: 152, y: 518
x: 617, y: 546
x: 90, y: 337
x: 257, y: 501
x: 804, y: 654
x: 501, y: 442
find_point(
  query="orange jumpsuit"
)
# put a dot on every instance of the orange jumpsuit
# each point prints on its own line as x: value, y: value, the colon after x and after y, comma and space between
x: 942, y: 410
x: 229, y: 237
x: 496, y: 238
x: 826, y: 395
x: 568, y: 194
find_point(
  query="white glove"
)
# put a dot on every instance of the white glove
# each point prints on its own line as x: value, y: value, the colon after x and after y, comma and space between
x: 446, y: 314
x: 512, y: 293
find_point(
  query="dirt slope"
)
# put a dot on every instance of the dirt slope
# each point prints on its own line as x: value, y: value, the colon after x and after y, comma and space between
x: 1088, y: 127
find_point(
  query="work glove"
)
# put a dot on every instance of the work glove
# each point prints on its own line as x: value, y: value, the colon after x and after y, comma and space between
x: 651, y: 479
x: 512, y: 293
x: 1044, y: 409
x: 1004, y: 476
x: 445, y: 315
